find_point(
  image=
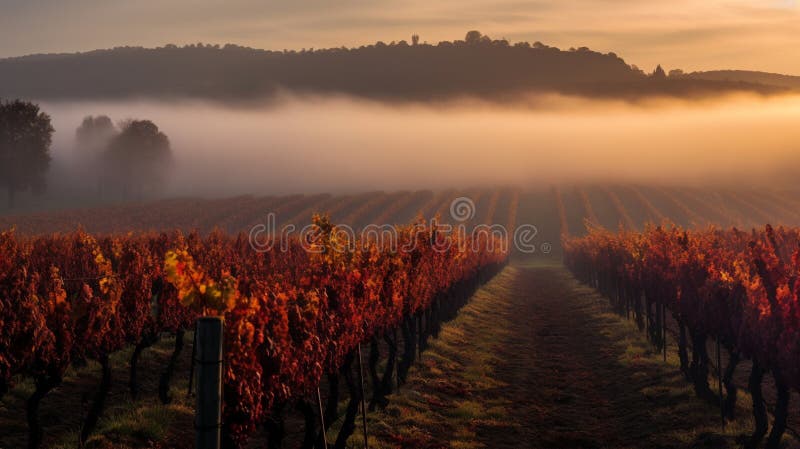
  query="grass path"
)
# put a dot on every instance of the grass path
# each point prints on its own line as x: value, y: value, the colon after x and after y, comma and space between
x: 538, y: 361
x: 535, y: 360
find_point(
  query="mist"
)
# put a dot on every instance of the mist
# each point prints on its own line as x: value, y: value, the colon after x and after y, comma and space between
x: 338, y: 145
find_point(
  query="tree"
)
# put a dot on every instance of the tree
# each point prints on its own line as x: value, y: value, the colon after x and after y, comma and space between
x: 25, y: 138
x: 475, y: 37
x: 659, y: 73
x: 92, y: 138
x: 93, y: 135
x: 139, y: 157
x: 676, y: 73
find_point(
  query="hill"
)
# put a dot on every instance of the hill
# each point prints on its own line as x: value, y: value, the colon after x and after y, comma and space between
x: 748, y: 76
x: 477, y: 67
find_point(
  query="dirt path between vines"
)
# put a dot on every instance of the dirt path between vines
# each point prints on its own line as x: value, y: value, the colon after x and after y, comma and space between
x: 533, y: 361
x: 538, y: 361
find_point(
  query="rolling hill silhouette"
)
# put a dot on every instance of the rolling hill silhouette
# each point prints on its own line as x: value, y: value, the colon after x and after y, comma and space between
x: 476, y: 67
x: 749, y: 76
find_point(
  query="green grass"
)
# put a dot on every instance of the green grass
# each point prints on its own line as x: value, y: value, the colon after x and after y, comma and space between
x: 458, y: 397
x: 435, y: 408
x: 124, y: 423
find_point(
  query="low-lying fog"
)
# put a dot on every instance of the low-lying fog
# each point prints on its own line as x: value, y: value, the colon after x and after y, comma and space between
x: 339, y: 144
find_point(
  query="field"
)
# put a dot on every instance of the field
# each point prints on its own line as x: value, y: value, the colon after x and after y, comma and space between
x: 531, y: 356
x: 553, y: 210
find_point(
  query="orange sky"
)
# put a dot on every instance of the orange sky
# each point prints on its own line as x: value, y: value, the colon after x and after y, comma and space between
x: 687, y: 34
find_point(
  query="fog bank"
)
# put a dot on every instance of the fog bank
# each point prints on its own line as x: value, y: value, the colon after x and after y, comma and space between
x: 306, y: 145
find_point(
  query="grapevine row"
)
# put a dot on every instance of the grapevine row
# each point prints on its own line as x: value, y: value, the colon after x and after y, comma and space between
x: 740, y: 288
x: 293, y: 315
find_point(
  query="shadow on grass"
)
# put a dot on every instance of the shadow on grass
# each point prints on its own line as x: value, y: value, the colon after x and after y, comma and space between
x: 536, y: 360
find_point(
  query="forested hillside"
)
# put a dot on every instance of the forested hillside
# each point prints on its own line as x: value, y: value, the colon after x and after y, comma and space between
x: 477, y: 66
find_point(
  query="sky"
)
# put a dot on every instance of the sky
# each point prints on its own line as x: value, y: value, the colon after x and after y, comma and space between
x: 686, y: 34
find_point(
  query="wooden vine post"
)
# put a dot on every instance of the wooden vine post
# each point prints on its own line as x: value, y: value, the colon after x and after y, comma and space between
x: 363, y: 399
x: 208, y: 414
x: 322, y: 420
x: 664, y: 329
x: 719, y: 383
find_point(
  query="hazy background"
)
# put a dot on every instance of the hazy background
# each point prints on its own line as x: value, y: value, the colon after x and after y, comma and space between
x: 306, y: 145
x: 686, y: 34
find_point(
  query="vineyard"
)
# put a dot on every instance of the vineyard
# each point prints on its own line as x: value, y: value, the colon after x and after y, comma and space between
x: 735, y: 287
x: 247, y: 225
x: 83, y: 286
x: 554, y: 210
x: 290, y: 318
